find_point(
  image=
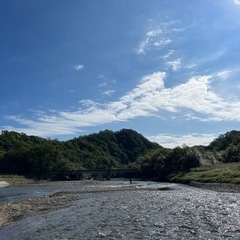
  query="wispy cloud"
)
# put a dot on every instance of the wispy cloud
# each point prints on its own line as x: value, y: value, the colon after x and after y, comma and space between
x: 223, y: 75
x: 105, y: 85
x: 102, y: 84
x: 169, y: 54
x: 154, y: 38
x: 154, y: 32
x: 143, y: 45
x: 175, y: 65
x: 148, y: 98
x: 87, y: 103
x: 171, y: 141
x: 162, y: 42
x: 79, y: 67
x: 109, y: 92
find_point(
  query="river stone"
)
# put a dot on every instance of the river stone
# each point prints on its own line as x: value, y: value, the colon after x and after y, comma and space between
x: 165, y: 188
x: 4, y: 184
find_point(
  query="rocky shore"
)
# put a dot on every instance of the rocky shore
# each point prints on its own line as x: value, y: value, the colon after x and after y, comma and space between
x: 12, y: 212
x: 4, y: 184
x: 219, y: 187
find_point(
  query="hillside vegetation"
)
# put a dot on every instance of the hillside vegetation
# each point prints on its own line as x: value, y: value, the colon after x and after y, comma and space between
x: 37, y: 157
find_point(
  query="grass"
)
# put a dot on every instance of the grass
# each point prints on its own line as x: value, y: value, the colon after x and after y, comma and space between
x: 220, y: 173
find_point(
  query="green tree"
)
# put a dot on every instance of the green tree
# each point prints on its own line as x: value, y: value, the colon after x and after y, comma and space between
x: 232, y: 154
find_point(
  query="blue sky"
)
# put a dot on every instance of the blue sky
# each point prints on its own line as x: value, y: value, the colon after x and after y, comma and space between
x: 168, y: 69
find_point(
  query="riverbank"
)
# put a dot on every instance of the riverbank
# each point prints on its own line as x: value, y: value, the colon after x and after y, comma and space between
x: 12, y: 212
x: 16, y: 180
x: 218, y: 173
x: 218, y: 187
x: 4, y: 184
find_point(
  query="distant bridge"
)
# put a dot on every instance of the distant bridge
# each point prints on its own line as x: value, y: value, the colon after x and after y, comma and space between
x: 76, y: 174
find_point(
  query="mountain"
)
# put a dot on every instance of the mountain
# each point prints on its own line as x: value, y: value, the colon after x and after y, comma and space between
x: 39, y: 157
x: 31, y: 155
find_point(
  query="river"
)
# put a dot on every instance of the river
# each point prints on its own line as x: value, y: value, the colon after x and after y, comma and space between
x: 183, y: 212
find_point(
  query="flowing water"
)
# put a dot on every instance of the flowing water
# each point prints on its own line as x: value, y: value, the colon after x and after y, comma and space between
x: 182, y: 212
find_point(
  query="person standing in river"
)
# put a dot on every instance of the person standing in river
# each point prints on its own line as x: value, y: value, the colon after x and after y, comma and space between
x: 130, y: 180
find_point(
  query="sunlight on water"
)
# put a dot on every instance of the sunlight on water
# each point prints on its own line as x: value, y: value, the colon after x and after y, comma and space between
x: 147, y: 213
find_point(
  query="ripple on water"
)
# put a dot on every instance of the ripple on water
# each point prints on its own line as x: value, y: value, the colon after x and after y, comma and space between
x: 182, y: 213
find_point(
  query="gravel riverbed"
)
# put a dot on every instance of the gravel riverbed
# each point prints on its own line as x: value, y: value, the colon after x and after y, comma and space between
x: 12, y: 212
x: 119, y: 210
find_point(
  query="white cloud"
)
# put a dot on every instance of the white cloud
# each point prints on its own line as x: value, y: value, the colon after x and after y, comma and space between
x: 154, y: 33
x: 109, y: 92
x: 179, y: 29
x: 79, y: 67
x: 162, y: 42
x: 148, y: 98
x: 223, y: 75
x: 101, y: 76
x: 103, y: 84
x: 143, y: 45
x: 190, y: 66
x: 175, y: 65
x: 87, y: 103
x: 44, y: 126
x: 170, y: 53
x: 154, y: 38
x: 171, y: 141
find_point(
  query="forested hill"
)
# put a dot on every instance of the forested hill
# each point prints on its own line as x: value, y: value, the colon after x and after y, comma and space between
x: 31, y: 155
x: 38, y: 157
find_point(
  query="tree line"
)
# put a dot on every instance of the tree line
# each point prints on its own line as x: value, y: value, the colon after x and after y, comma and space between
x: 38, y: 157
